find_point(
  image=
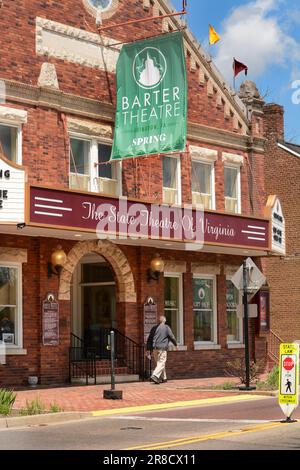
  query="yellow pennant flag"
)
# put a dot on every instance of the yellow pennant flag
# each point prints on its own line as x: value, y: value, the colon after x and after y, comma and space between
x: 213, y: 36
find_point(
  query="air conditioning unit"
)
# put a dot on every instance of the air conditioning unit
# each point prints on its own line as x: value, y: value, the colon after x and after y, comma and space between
x: 107, y: 186
x: 202, y: 199
x: 170, y: 196
x: 77, y: 181
x: 231, y: 205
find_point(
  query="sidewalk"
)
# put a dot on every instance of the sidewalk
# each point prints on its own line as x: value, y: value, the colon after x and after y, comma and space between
x: 90, y: 398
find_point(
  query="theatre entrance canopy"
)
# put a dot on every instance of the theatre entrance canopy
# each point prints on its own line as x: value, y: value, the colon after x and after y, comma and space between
x: 68, y: 214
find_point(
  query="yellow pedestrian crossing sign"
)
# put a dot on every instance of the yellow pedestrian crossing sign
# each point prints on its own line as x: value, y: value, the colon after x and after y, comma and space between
x: 289, y: 378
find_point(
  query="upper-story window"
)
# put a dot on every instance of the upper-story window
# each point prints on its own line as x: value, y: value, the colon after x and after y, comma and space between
x: 102, y: 4
x: 203, y: 176
x: 203, y: 183
x: 9, y: 142
x: 232, y: 178
x: 171, y: 180
x: 101, y: 9
x: 88, y: 168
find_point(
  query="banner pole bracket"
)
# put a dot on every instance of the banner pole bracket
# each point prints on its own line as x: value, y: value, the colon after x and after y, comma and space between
x: 142, y: 20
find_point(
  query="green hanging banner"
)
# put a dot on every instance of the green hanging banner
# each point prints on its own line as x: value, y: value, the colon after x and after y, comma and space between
x: 151, y: 116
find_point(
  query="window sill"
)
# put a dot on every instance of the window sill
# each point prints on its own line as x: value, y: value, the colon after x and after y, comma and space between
x: 16, y: 352
x: 208, y: 347
x: 235, y: 346
x: 180, y: 348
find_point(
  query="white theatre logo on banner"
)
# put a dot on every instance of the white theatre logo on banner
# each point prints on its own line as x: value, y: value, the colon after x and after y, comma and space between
x: 12, y: 192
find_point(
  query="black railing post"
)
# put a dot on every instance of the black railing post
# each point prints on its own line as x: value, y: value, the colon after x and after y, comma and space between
x: 112, y: 394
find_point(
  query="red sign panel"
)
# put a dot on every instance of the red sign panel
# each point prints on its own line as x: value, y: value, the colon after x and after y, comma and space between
x: 288, y: 363
x: 127, y: 218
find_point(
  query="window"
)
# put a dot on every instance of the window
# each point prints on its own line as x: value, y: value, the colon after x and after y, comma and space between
x: 80, y: 164
x: 234, y: 324
x: 107, y: 178
x: 205, y: 314
x: 88, y: 171
x: 10, y: 305
x: 102, y: 4
x: 173, y: 305
x: 232, y: 189
x: 203, y: 184
x: 171, y: 180
x: 9, y: 142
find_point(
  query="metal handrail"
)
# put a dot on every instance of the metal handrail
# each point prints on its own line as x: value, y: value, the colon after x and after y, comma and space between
x: 274, y: 342
x: 82, y: 360
x: 129, y: 353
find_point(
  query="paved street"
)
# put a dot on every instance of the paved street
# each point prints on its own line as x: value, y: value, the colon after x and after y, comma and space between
x: 240, y: 425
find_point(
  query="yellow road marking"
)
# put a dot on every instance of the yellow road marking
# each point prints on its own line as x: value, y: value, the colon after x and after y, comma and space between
x: 202, y: 438
x: 178, y: 404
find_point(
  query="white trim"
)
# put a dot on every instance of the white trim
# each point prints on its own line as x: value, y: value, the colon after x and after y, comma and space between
x: 16, y: 351
x: 17, y: 126
x: 238, y: 169
x: 233, y: 159
x: 180, y: 306
x: 240, y: 343
x: 235, y: 346
x: 19, y: 306
x: 210, y: 163
x: 178, y: 179
x: 206, y: 346
x: 93, y: 160
x: 204, y: 154
x: 180, y: 348
x: 288, y: 150
x: 214, y: 342
x: 13, y: 116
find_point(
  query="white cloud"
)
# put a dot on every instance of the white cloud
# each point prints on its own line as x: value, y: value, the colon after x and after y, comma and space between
x: 254, y: 34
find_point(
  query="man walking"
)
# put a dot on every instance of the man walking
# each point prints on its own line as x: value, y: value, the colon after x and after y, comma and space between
x: 158, y: 343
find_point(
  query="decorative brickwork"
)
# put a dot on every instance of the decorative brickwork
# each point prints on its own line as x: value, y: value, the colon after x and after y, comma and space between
x: 117, y: 259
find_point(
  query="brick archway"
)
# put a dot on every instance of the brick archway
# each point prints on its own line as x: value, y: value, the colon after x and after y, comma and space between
x: 126, y: 292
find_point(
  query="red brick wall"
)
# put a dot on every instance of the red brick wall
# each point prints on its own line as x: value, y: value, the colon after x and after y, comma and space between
x: 45, y: 149
x: 18, y: 58
x: 282, y: 172
x: 46, y: 154
x: 51, y: 363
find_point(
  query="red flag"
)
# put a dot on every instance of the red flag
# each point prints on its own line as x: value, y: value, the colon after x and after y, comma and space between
x: 238, y: 67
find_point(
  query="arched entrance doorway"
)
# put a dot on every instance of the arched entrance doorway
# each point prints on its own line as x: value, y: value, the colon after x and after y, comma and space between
x: 93, y: 300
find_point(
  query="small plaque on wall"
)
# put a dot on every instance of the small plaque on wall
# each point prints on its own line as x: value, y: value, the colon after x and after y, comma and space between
x: 150, y: 317
x: 264, y: 310
x: 50, y: 315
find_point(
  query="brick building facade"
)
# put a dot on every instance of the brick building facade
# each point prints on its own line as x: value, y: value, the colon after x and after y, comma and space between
x: 282, y: 172
x: 56, y: 122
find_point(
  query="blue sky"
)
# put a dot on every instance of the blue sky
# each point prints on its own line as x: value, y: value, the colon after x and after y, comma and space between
x: 265, y: 35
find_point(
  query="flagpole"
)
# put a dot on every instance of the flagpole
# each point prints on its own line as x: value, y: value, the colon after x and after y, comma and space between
x: 233, y: 67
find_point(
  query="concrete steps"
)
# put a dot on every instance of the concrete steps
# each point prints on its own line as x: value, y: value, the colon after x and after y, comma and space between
x: 103, y: 373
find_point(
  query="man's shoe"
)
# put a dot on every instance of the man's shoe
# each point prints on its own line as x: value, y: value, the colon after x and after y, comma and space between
x: 154, y: 379
x: 164, y: 381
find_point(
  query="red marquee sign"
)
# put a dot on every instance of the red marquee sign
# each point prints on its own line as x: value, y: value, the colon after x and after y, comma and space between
x: 128, y: 218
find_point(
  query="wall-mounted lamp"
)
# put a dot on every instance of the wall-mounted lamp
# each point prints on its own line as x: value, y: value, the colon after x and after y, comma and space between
x: 58, y: 260
x: 157, y: 266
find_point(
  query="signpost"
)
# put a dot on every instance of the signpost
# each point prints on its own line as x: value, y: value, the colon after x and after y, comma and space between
x: 289, y: 379
x: 249, y: 279
x: 150, y: 317
x: 50, y: 321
